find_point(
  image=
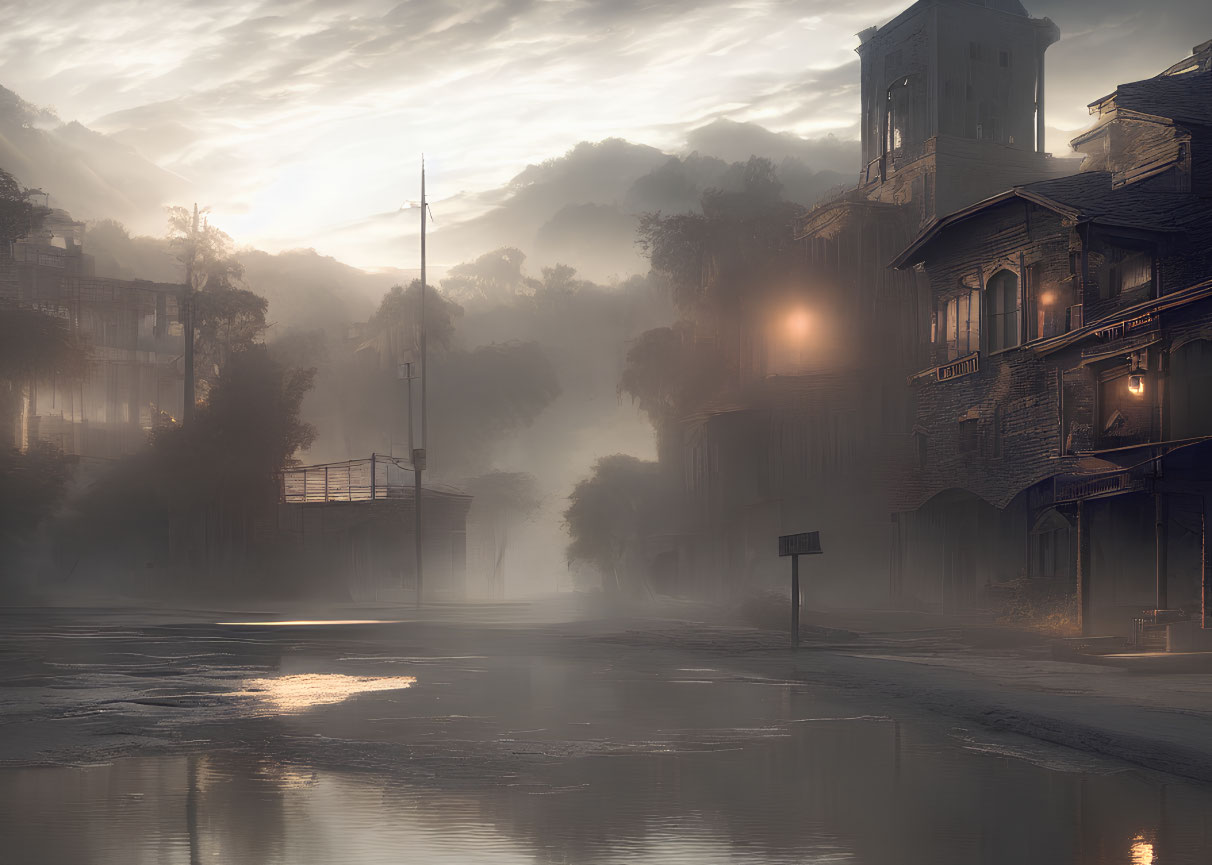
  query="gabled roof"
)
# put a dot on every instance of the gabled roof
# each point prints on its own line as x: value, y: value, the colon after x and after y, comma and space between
x: 1084, y: 197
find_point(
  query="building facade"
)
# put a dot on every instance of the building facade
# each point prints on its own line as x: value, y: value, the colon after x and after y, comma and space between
x: 1062, y: 424
x: 133, y: 333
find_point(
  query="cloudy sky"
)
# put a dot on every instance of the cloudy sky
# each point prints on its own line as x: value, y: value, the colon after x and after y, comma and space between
x: 296, y: 117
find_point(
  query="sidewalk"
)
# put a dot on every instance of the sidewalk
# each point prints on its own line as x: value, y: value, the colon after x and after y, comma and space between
x: 978, y: 672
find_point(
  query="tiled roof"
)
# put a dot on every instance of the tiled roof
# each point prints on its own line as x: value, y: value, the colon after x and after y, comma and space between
x: 1084, y: 197
x: 1183, y: 98
x: 1089, y: 197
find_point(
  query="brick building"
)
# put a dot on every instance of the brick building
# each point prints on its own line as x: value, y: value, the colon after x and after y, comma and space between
x: 952, y: 113
x: 1062, y: 423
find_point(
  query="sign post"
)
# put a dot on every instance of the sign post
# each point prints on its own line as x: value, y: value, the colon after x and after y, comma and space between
x: 803, y: 544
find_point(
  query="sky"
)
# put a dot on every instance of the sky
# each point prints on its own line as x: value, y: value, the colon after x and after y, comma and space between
x: 296, y: 119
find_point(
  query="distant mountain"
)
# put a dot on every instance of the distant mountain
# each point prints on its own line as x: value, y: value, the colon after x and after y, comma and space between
x: 86, y: 173
x: 582, y: 208
x: 305, y: 290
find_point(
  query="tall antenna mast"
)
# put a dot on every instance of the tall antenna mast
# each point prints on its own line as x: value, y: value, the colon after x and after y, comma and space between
x: 418, y: 454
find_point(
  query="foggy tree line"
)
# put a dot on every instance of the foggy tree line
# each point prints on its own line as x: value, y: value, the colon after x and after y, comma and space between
x: 505, y: 347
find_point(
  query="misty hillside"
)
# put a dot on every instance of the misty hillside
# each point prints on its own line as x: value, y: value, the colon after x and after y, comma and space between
x: 86, y: 173
x: 582, y: 208
x: 305, y: 290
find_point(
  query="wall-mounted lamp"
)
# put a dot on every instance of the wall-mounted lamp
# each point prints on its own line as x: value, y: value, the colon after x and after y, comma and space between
x: 1136, y: 376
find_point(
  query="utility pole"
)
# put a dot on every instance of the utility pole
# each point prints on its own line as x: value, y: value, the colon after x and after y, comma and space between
x: 418, y: 454
x: 188, y: 319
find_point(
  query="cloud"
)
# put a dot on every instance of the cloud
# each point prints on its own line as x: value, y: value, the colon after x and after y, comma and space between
x: 291, y: 116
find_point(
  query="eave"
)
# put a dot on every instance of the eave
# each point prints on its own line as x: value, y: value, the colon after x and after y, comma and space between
x: 1177, y: 299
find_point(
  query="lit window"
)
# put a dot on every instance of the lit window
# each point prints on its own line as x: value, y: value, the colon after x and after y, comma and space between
x: 961, y: 325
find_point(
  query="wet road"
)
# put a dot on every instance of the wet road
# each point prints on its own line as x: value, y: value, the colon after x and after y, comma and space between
x: 133, y: 738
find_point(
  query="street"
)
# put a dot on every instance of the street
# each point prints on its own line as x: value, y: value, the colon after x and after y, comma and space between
x: 517, y: 733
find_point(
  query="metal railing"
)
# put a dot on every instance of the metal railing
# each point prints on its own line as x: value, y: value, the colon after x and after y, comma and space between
x: 377, y: 477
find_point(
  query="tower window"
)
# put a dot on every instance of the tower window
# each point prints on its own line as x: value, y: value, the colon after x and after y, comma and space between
x: 905, y: 122
x: 974, y: 50
x: 1003, y: 59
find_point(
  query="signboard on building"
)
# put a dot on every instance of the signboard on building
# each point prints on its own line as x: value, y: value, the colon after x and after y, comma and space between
x: 803, y: 544
x: 960, y: 368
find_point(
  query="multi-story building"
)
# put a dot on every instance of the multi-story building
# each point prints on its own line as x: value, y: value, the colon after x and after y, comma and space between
x: 1063, y: 420
x: 133, y: 334
x: 952, y: 102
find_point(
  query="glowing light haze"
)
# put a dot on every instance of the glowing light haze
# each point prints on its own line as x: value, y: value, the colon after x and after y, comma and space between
x: 293, y: 118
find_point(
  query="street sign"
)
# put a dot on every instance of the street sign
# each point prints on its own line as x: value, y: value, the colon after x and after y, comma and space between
x: 803, y: 544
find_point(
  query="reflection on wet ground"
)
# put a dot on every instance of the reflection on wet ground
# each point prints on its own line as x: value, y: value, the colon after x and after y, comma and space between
x: 387, y: 743
x: 308, y: 690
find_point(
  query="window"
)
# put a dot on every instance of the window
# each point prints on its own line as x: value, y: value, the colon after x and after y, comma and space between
x: 1131, y: 270
x: 961, y: 325
x: 1003, y: 59
x: 1002, y: 310
x: 1049, y: 303
x: 974, y: 51
x: 905, y: 106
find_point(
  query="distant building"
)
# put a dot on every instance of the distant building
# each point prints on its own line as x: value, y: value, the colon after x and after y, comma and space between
x: 135, y: 376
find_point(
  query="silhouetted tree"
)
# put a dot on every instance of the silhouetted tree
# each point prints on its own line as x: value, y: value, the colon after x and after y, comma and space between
x: 396, y: 323
x: 494, y: 277
x: 610, y: 516
x: 740, y: 240
x: 669, y: 373
x: 19, y: 217
x: 228, y: 317
x: 209, y: 477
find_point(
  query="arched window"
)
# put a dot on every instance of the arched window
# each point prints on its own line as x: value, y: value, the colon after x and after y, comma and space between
x: 1001, y: 310
x: 905, y: 129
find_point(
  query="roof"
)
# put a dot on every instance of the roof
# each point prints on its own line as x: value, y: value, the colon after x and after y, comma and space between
x: 1084, y: 197
x: 1183, y: 98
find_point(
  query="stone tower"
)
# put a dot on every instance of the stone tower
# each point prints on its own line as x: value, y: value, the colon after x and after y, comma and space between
x: 953, y: 99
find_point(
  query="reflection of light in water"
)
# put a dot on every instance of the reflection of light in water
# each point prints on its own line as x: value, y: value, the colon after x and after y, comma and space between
x: 1142, y: 851
x: 301, y: 622
x: 296, y: 693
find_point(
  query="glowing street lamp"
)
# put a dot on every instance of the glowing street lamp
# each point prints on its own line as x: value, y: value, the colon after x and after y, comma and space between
x: 798, y: 323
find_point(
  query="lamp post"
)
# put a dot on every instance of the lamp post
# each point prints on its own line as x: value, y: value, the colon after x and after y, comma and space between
x: 418, y: 454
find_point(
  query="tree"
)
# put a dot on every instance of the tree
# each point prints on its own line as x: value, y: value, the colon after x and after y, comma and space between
x: 739, y: 242
x: 395, y: 323
x: 19, y: 217
x: 228, y: 318
x: 610, y: 516
x: 501, y: 501
x: 216, y: 471
x: 494, y: 277
x: 669, y: 373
